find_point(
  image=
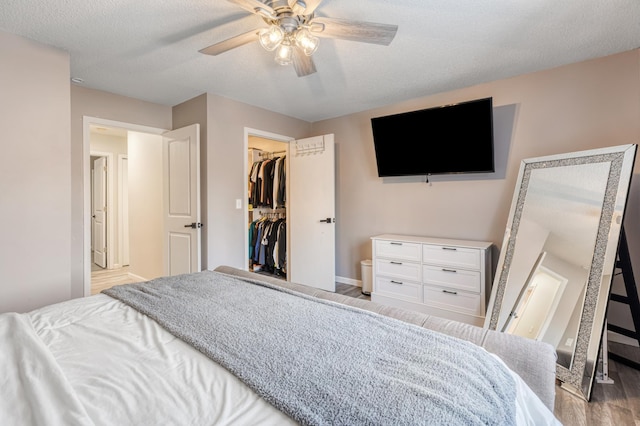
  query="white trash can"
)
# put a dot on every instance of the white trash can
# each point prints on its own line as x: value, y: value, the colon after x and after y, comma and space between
x: 367, y: 276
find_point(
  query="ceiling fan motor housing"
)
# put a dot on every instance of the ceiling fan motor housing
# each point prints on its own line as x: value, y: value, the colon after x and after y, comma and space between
x: 285, y: 16
x: 278, y: 5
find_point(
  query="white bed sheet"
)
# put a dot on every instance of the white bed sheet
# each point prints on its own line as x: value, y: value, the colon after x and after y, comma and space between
x: 111, y: 365
x: 127, y: 370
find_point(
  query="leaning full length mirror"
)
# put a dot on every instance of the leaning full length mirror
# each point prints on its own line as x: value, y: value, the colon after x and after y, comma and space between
x: 554, y: 272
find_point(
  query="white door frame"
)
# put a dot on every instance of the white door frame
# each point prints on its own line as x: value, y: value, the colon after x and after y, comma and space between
x: 87, y: 121
x: 110, y: 213
x: 123, y: 213
x: 266, y: 135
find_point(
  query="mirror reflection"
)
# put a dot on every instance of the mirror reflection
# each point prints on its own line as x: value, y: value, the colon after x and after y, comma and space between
x: 553, y: 276
x: 550, y: 268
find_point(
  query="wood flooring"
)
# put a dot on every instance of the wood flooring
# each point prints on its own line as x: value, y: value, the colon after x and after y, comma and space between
x: 102, y: 279
x: 351, y: 291
x: 616, y: 404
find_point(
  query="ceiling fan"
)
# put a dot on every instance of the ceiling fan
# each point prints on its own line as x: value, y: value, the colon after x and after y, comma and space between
x: 293, y: 30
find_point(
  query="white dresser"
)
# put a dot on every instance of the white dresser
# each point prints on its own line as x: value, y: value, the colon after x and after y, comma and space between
x: 441, y: 277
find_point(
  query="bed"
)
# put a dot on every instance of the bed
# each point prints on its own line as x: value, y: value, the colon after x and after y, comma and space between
x: 231, y: 347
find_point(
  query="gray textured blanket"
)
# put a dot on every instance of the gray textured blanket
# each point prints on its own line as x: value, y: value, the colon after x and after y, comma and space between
x: 325, y: 363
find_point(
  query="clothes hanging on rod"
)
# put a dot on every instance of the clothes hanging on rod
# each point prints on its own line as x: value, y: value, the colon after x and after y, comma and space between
x: 268, y: 244
x: 267, y: 183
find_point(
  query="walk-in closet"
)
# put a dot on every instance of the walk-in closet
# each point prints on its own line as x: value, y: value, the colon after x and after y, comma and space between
x: 290, y: 232
x: 267, y: 204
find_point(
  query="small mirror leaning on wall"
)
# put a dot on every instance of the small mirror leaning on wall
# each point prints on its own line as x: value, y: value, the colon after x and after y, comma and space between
x: 554, y: 272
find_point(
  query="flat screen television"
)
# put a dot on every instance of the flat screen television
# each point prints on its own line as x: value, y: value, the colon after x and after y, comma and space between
x: 454, y: 138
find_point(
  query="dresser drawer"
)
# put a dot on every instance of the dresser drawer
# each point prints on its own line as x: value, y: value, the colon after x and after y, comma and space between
x: 451, y: 256
x: 405, y: 290
x: 399, y: 250
x: 452, y: 300
x: 460, y: 279
x: 399, y: 269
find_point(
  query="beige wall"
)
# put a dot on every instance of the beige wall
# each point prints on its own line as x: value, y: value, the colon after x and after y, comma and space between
x: 95, y: 103
x: 146, y: 217
x: 35, y: 195
x: 581, y: 106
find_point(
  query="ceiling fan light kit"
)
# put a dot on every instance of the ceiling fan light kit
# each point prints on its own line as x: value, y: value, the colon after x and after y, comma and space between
x: 282, y: 35
x: 289, y: 32
x: 307, y: 42
x: 270, y: 38
x: 284, y: 55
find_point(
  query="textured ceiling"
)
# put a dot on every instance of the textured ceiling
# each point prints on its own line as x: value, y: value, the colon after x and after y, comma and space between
x: 148, y: 49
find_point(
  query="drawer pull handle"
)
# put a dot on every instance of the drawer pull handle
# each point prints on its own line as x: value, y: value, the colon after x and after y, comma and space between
x: 396, y: 282
x: 395, y: 244
x: 396, y: 263
x: 449, y: 270
x: 449, y: 292
x: 449, y: 248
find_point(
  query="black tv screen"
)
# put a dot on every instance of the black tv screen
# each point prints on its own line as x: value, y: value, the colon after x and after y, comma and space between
x: 448, y: 139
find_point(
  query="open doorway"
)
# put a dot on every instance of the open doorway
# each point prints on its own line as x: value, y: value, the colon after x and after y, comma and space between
x: 267, y: 207
x: 538, y: 303
x: 107, y: 219
x: 109, y: 199
x: 309, y: 205
x: 109, y: 207
x: 113, y: 203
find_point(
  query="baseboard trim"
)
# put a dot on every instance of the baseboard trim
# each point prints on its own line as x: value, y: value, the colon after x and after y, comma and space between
x: 350, y: 281
x: 137, y: 277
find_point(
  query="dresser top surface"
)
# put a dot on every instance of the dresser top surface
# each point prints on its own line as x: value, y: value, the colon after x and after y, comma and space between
x: 430, y: 240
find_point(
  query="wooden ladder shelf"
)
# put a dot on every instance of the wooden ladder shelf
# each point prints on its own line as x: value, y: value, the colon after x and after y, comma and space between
x: 623, y: 263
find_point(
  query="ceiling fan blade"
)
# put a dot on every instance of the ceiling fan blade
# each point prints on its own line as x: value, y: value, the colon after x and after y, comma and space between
x: 309, y: 6
x: 302, y: 63
x: 367, y: 32
x: 255, y: 6
x: 231, y: 43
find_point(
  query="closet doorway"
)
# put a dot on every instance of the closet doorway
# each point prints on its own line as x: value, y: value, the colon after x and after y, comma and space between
x: 308, y: 211
x: 267, y: 207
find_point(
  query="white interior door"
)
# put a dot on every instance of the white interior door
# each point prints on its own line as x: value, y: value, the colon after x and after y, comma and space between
x: 99, y: 213
x: 311, y: 212
x: 182, y: 226
x: 540, y: 298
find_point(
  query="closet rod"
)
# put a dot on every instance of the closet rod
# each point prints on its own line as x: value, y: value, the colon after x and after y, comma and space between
x: 265, y: 153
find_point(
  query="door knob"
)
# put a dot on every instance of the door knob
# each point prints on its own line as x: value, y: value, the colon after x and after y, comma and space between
x: 194, y: 225
x: 328, y: 220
